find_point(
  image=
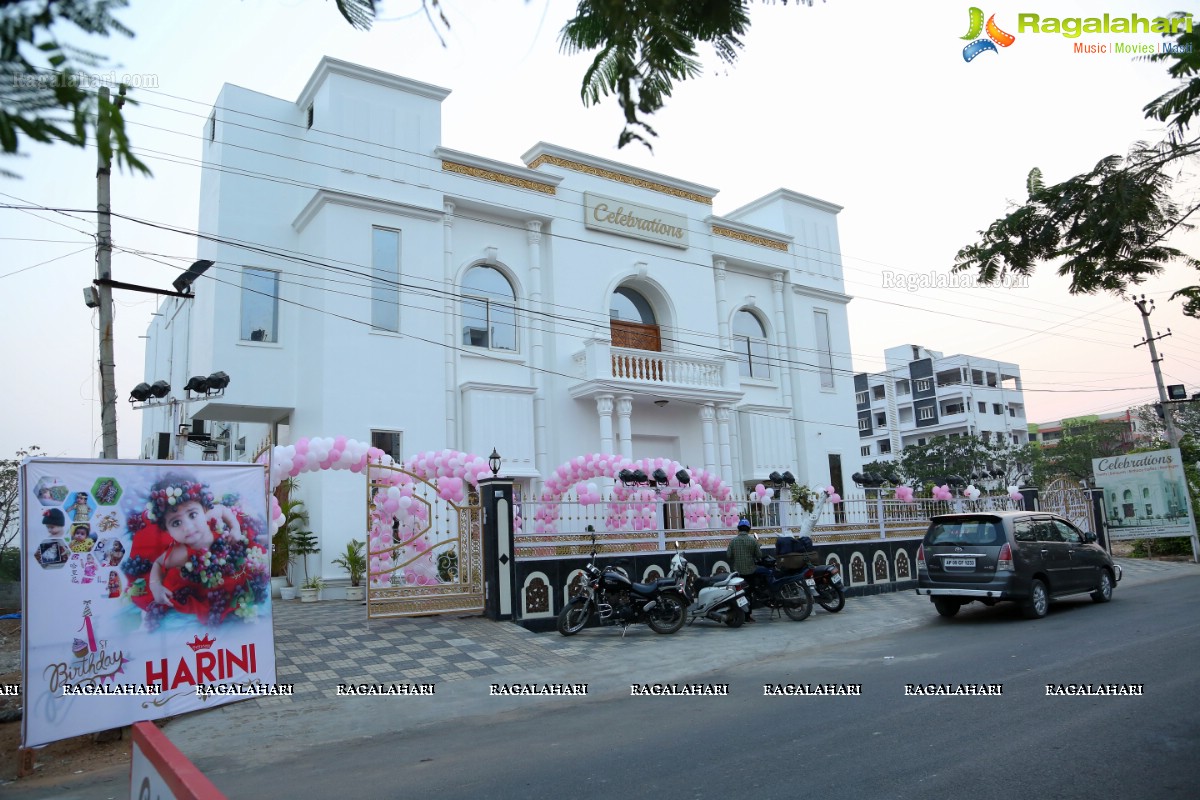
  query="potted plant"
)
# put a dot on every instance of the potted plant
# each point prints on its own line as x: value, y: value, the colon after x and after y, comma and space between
x: 304, y: 544
x: 354, y: 562
x: 310, y: 592
x: 295, y: 519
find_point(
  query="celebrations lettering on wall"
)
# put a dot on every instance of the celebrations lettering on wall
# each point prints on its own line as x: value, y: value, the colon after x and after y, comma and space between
x: 630, y: 219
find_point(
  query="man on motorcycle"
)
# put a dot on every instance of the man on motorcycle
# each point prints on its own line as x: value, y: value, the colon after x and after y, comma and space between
x: 743, y: 554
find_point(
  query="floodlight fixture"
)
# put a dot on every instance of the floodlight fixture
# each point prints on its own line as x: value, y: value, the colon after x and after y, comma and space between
x: 141, y: 393
x: 184, y: 282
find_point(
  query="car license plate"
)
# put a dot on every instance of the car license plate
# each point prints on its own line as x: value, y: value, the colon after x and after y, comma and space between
x: 837, y: 578
x: 743, y: 602
x: 968, y: 563
x: 812, y: 584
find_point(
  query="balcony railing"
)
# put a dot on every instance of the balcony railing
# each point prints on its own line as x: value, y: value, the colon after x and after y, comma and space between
x: 600, y: 361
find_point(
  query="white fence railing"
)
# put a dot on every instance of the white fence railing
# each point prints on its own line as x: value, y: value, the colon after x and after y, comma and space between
x: 638, y: 526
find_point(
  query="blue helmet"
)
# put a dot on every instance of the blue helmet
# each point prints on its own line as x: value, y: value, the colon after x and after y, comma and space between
x: 743, y: 524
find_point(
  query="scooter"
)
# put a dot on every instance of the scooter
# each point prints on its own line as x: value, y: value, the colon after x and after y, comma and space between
x: 721, y: 598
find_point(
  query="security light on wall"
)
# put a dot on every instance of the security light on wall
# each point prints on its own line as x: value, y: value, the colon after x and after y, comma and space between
x: 184, y: 282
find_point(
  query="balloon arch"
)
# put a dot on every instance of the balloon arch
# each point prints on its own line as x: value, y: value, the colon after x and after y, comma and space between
x: 397, y: 509
x: 635, y: 507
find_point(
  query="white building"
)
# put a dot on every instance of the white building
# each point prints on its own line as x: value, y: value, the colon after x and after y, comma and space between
x: 923, y: 394
x: 371, y: 283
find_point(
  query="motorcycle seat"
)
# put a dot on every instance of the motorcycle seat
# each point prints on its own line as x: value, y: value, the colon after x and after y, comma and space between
x: 713, y: 580
x: 649, y: 588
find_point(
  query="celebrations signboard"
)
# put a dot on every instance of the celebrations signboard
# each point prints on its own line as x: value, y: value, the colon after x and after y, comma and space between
x: 145, y: 584
x: 1145, y: 494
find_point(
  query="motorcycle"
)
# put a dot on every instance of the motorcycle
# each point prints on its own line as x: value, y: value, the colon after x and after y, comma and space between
x: 781, y: 589
x: 824, y: 580
x: 610, y: 594
x: 721, y: 598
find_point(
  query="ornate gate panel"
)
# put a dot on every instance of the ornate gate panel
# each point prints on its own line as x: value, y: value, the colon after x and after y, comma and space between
x: 1068, y: 501
x: 425, y: 553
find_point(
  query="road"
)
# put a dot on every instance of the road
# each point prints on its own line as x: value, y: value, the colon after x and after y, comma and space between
x: 882, y: 744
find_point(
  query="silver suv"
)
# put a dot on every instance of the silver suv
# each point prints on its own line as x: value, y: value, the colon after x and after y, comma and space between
x: 1029, y: 557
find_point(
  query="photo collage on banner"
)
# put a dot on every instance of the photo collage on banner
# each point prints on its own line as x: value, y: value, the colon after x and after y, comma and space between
x: 140, y: 574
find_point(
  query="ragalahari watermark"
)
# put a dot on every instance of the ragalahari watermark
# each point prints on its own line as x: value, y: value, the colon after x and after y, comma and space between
x: 85, y: 80
x: 914, y: 281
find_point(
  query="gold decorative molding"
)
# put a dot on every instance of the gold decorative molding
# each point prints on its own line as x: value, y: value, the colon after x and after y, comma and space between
x: 620, y: 177
x: 497, y: 177
x: 761, y: 241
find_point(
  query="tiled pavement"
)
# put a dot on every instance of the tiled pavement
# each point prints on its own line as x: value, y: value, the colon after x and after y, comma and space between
x: 319, y: 645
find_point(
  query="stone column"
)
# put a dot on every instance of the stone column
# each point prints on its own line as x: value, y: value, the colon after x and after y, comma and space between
x: 722, y: 305
x: 624, y: 430
x: 604, y: 409
x: 537, y: 365
x: 450, y: 318
x: 708, y: 435
x: 724, y: 415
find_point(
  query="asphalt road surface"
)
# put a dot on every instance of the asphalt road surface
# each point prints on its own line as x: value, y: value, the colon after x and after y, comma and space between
x: 884, y: 743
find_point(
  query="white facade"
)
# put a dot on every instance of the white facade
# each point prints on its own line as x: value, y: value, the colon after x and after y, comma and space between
x: 341, y: 208
x: 923, y: 394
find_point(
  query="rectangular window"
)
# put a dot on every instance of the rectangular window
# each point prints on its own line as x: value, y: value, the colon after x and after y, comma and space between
x: 998, y: 409
x: 902, y: 387
x: 878, y: 392
x: 260, y: 305
x: 860, y: 398
x: 983, y: 408
x: 925, y: 413
x: 921, y: 442
x: 863, y: 423
x: 824, y: 352
x: 923, y: 385
x: 881, y: 420
x: 390, y: 442
x: 865, y: 450
x: 385, y: 279
x: 885, y: 446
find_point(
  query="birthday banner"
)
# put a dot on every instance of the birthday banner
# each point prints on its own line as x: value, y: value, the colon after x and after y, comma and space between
x: 144, y: 580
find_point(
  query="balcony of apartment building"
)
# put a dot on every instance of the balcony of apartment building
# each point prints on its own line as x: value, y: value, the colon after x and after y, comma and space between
x: 951, y: 410
x: 905, y: 418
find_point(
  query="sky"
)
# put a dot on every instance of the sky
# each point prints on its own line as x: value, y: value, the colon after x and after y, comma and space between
x: 866, y: 104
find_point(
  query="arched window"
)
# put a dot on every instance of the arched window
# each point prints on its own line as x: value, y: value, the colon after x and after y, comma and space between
x: 629, y: 306
x: 632, y: 322
x: 489, y: 316
x: 750, y: 344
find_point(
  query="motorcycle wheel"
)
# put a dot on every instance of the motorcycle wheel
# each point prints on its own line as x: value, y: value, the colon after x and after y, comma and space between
x: 832, y: 599
x: 668, y: 613
x: 734, y: 617
x: 797, y: 600
x: 573, y: 618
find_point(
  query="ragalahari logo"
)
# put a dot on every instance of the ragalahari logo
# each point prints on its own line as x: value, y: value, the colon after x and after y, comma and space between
x: 995, y: 36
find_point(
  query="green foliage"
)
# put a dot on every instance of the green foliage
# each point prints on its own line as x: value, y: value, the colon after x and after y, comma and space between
x: 10, y: 495
x: 353, y: 561
x: 1107, y: 227
x: 969, y: 458
x: 304, y: 544
x: 10, y: 565
x: 41, y: 76
x: 1165, y: 546
x: 295, y: 520
x: 1072, y: 457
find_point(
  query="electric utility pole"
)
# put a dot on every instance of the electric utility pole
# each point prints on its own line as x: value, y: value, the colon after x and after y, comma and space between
x: 108, y: 388
x: 1145, y: 308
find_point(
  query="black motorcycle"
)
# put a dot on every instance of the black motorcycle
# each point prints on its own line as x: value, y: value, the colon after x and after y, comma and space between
x: 780, y: 589
x: 617, y: 600
x: 797, y: 556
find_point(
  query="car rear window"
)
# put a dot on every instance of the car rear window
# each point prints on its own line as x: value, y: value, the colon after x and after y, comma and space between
x: 966, y: 531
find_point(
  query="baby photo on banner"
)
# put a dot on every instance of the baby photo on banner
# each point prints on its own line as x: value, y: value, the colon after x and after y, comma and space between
x: 143, y: 580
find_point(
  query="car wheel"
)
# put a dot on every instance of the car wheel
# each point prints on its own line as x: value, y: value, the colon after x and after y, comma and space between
x: 946, y: 608
x: 1038, y: 603
x: 1103, y: 592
